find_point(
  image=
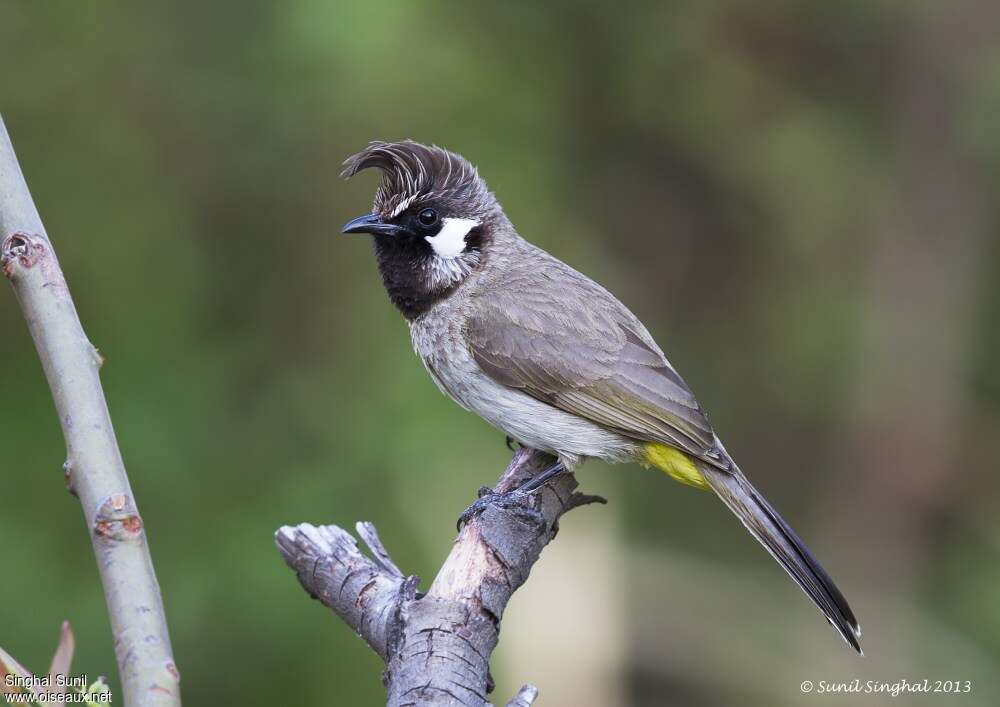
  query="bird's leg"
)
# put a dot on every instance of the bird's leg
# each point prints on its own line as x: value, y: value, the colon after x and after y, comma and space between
x: 535, y: 482
x: 488, y: 497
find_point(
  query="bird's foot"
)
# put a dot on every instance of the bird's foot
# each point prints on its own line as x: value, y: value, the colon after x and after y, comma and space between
x: 488, y: 497
x: 510, y: 499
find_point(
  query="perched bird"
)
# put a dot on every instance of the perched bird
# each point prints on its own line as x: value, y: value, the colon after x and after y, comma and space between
x: 543, y: 352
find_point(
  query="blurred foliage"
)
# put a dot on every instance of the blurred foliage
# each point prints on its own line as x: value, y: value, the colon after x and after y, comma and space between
x: 795, y: 197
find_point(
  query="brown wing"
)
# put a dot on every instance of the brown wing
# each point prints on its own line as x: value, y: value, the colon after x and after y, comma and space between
x: 563, y: 339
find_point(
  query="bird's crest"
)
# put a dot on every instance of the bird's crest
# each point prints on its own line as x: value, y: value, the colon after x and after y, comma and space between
x: 412, y: 171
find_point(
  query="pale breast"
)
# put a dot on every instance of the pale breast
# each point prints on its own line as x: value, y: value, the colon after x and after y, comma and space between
x: 439, y: 341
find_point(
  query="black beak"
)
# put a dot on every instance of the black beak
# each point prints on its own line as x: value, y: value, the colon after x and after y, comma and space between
x: 370, y: 223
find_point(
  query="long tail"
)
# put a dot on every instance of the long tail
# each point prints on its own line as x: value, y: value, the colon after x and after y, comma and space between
x: 785, y: 546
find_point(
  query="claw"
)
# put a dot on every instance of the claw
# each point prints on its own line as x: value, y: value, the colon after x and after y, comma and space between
x: 486, y: 495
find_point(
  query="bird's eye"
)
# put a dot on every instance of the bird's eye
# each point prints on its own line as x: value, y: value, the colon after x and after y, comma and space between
x: 428, y: 217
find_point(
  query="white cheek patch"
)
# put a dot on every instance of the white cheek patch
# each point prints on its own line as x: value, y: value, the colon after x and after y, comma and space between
x: 450, y: 240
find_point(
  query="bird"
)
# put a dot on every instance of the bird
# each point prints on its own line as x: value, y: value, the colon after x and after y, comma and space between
x: 546, y: 354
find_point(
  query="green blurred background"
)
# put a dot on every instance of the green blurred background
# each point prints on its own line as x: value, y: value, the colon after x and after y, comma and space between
x: 798, y: 198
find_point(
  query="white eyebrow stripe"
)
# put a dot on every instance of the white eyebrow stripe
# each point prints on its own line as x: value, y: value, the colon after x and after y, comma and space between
x: 450, y: 240
x: 403, y: 206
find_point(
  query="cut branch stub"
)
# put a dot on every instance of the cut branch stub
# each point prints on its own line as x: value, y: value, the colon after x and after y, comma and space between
x: 330, y: 567
x: 117, y: 519
x: 22, y: 250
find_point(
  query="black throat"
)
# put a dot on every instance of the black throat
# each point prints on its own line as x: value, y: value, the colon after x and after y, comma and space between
x: 403, y: 262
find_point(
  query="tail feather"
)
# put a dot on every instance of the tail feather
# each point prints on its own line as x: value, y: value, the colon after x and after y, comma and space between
x: 785, y: 546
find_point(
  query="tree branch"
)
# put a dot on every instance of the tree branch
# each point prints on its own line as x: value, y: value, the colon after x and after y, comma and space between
x: 94, y: 469
x: 437, y: 645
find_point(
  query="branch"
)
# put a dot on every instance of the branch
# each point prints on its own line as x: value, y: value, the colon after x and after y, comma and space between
x: 94, y: 469
x: 437, y: 646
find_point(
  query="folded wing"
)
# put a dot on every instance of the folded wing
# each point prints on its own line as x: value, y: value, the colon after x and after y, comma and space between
x: 565, y: 340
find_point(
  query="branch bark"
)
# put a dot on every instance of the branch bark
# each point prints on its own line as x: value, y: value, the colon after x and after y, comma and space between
x: 94, y: 469
x: 437, y: 645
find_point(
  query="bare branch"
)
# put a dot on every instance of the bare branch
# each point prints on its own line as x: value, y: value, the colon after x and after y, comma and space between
x: 525, y: 697
x: 94, y: 469
x: 437, y: 646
